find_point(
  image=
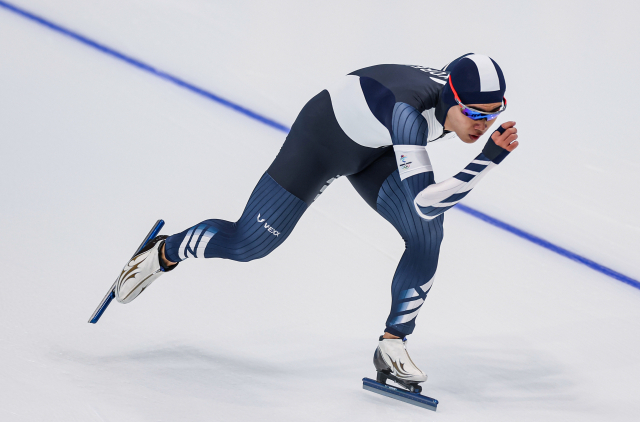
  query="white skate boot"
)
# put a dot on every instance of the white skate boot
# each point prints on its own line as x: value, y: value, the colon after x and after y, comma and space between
x: 392, y: 361
x: 141, y: 271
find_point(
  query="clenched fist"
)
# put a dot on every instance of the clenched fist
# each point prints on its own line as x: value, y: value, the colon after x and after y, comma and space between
x: 505, y: 136
x: 501, y: 143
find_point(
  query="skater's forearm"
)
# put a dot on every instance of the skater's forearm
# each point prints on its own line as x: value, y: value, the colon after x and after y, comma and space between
x: 437, y: 198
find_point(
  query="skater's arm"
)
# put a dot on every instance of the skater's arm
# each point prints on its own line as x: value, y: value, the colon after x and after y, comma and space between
x: 437, y: 198
x: 432, y: 199
x: 409, y: 136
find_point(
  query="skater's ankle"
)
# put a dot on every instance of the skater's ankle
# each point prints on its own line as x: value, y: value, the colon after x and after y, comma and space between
x: 389, y: 336
x: 163, y: 259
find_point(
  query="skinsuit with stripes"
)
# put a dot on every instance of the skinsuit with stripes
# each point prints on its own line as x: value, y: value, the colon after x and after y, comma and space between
x: 372, y: 127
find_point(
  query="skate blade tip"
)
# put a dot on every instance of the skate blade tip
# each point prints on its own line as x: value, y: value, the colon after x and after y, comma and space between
x: 400, y: 394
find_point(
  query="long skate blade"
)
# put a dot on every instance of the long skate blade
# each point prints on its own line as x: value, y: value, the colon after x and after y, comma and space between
x: 111, y: 293
x: 400, y: 394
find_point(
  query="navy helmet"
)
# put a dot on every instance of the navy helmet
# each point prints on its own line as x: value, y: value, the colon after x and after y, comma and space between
x: 476, y: 78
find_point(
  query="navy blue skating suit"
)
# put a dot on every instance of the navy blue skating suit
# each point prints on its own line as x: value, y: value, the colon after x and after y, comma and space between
x: 372, y: 126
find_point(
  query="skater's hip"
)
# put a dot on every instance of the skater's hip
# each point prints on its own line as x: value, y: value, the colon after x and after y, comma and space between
x: 317, y: 151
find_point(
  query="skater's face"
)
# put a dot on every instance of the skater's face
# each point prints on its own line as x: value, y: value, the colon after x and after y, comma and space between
x: 469, y: 130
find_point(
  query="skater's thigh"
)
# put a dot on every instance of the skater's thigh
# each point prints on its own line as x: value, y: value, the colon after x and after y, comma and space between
x: 317, y: 151
x: 268, y: 219
x: 304, y: 164
x: 369, y: 181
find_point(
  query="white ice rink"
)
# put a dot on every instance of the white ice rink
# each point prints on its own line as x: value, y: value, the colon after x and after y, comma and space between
x: 94, y: 150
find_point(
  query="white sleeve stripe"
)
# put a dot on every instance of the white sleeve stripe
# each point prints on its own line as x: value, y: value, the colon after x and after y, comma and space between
x: 445, y: 204
x: 439, y: 192
x: 424, y: 217
x: 472, y: 184
x: 433, y: 195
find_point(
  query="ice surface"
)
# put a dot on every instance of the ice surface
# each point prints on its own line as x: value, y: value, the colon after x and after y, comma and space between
x: 94, y: 151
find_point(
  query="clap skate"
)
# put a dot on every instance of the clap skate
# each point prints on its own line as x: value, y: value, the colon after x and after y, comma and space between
x: 142, y: 269
x: 392, y: 362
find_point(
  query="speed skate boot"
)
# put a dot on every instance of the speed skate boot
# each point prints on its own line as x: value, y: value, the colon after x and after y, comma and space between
x: 141, y: 271
x: 392, y: 362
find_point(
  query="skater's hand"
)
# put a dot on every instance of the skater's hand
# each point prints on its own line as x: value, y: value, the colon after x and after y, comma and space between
x: 505, y: 136
x: 501, y: 143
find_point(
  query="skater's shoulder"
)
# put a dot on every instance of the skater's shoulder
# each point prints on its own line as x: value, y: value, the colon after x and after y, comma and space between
x: 406, y: 73
x: 416, y: 85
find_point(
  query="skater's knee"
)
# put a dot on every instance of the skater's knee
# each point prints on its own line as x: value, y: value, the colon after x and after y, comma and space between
x: 422, y: 246
x: 425, y: 241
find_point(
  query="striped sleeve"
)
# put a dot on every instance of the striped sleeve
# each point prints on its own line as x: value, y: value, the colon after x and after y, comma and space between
x: 439, y: 197
x: 409, y: 134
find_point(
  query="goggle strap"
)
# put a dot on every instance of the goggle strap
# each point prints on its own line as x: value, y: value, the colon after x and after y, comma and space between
x: 453, y: 89
x: 504, y: 100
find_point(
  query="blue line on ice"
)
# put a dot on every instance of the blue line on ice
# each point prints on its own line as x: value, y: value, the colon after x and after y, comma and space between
x: 141, y: 65
x: 145, y: 67
x: 548, y: 245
